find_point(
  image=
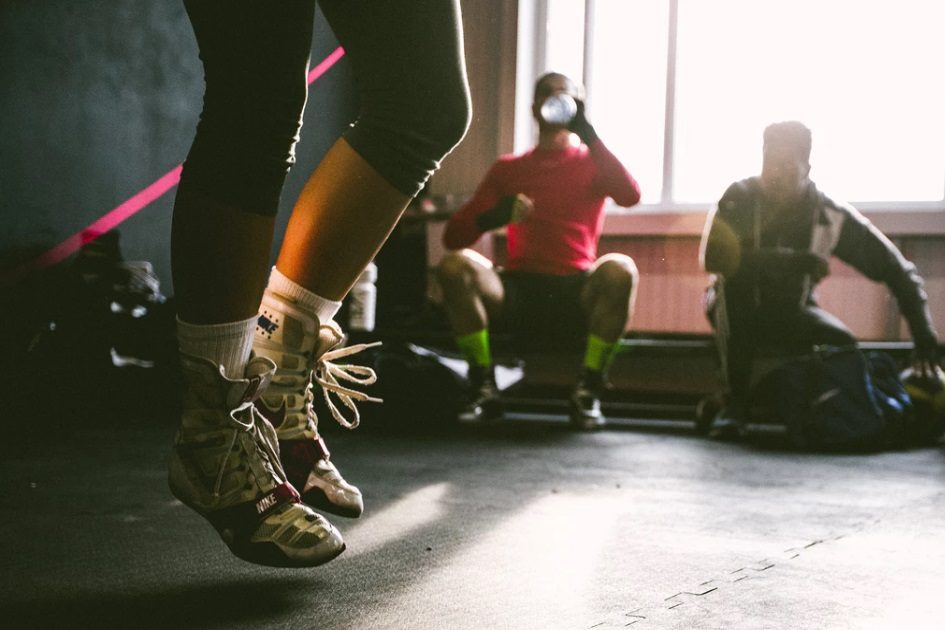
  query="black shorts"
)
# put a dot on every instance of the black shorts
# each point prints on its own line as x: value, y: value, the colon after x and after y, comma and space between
x: 543, y: 311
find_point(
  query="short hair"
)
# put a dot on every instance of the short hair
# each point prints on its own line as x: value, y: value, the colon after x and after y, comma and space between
x: 540, y: 88
x: 790, y: 134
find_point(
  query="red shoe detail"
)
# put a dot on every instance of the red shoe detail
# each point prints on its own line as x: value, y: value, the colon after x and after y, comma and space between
x: 298, y: 456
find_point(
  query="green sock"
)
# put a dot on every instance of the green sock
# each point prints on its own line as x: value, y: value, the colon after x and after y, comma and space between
x: 599, y: 353
x: 475, y: 347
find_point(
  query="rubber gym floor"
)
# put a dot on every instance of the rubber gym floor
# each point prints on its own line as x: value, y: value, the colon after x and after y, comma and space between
x: 522, y: 525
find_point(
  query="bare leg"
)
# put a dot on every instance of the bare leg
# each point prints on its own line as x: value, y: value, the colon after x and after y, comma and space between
x: 607, y: 298
x: 472, y: 296
x: 407, y: 57
x: 609, y: 295
x: 220, y: 257
x: 472, y: 291
x: 229, y: 190
x: 408, y: 64
x: 341, y: 219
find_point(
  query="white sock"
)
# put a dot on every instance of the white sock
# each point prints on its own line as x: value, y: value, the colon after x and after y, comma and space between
x: 227, y: 344
x: 323, y: 308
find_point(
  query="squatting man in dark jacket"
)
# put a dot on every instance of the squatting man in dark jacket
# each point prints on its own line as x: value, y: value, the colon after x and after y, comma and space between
x: 768, y: 244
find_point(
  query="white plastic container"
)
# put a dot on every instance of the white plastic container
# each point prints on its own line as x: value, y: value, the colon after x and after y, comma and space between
x: 363, y: 300
x: 558, y: 109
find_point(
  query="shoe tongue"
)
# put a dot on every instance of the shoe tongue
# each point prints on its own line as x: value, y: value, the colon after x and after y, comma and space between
x: 329, y: 337
x: 283, y: 323
x: 297, y: 337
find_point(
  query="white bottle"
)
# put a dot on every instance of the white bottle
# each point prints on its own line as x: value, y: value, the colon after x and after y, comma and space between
x: 363, y: 302
x: 558, y: 109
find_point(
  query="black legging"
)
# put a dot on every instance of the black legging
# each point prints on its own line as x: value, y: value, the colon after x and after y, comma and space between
x: 791, y: 329
x: 410, y: 74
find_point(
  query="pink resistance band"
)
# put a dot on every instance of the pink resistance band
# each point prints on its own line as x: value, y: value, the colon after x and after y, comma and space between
x: 126, y: 209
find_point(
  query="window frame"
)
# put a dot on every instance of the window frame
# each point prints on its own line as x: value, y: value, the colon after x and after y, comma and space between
x: 922, y: 217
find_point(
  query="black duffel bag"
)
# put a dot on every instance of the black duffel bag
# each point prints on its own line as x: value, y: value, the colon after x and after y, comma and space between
x: 838, y: 398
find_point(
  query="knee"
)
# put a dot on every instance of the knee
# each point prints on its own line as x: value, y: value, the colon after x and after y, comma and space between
x: 432, y: 121
x: 405, y: 137
x: 454, y: 272
x: 839, y: 335
x: 447, y: 120
x: 619, y: 275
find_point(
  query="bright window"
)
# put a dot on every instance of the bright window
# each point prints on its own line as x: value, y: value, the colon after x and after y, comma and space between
x: 865, y: 76
x: 564, y: 38
x: 628, y: 103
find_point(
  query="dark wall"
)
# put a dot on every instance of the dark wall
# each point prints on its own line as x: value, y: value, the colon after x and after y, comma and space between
x: 100, y: 98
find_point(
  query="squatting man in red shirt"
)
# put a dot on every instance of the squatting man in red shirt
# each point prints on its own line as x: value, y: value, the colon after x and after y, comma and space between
x: 551, y: 201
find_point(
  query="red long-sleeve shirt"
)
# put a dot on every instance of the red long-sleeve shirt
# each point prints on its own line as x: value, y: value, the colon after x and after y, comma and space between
x: 568, y: 188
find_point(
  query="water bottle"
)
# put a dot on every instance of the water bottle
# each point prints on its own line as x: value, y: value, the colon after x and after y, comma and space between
x: 558, y: 109
x: 363, y: 303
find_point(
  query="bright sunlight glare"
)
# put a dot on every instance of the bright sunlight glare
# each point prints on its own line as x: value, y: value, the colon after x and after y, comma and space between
x: 865, y: 76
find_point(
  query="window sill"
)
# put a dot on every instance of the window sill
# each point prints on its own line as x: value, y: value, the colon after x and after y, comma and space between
x: 689, y: 221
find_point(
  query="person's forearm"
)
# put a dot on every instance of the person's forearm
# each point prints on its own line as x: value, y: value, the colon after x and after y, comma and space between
x: 461, y: 230
x: 613, y: 177
x: 868, y: 250
x: 923, y: 335
x: 497, y: 216
x: 914, y: 307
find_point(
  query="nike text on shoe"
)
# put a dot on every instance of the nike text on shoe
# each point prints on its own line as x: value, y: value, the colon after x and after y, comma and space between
x: 303, y: 350
x: 225, y: 466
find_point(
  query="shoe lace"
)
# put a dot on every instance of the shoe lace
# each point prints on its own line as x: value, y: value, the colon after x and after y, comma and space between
x: 269, y: 455
x: 328, y: 374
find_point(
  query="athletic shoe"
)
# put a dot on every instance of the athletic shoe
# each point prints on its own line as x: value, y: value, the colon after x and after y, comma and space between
x: 585, y: 409
x: 225, y: 466
x: 484, y: 405
x: 303, y: 351
x: 729, y: 423
x: 584, y: 403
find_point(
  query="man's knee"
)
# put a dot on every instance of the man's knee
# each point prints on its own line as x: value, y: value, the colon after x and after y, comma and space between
x: 827, y: 328
x: 617, y: 274
x: 455, y: 271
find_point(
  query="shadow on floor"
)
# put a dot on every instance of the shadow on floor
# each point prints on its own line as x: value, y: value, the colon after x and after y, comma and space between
x: 221, y: 604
